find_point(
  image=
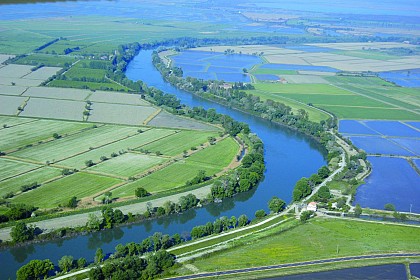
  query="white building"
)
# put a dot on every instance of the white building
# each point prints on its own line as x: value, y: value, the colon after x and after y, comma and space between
x: 311, y: 206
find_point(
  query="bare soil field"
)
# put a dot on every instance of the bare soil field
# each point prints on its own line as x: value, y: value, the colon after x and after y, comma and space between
x: 164, y: 119
x: 15, y: 70
x: 57, y: 93
x: 4, y: 57
x: 9, y: 104
x: 117, y: 98
x: 43, y: 73
x: 12, y: 90
x: 120, y: 113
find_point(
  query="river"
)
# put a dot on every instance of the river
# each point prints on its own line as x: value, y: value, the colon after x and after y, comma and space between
x: 288, y: 155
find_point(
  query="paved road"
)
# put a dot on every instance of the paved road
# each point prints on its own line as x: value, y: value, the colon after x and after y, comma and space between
x: 263, y: 268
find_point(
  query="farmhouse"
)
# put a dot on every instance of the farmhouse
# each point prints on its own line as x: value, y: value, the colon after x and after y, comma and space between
x: 311, y: 206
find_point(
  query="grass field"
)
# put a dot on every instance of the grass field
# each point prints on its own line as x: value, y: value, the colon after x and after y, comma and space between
x: 316, y: 239
x: 11, y: 168
x: 60, y: 191
x: 213, y: 156
x: 176, y: 144
x: 39, y: 175
x: 129, y: 164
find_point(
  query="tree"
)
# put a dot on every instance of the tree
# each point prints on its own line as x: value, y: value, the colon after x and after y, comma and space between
x: 35, y: 269
x: 301, y: 189
x: 81, y: 263
x: 66, y: 263
x: 323, y: 194
x: 141, y: 192
x: 93, y: 222
x: 99, y: 255
x: 243, y: 220
x: 72, y: 203
x: 276, y: 204
x: 389, y: 207
x: 89, y: 163
x: 260, y: 214
x: 357, y: 210
x: 324, y: 172
x: 305, y: 215
x: 21, y: 232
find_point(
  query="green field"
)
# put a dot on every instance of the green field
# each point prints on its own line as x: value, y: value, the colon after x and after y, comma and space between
x: 300, y: 89
x: 273, y: 72
x: 12, y: 121
x: 317, y: 239
x: 47, y: 60
x: 368, y: 54
x: 11, y: 168
x: 37, y: 130
x: 39, y: 176
x: 177, y: 143
x: 127, y: 165
x: 60, y: 191
x: 72, y: 145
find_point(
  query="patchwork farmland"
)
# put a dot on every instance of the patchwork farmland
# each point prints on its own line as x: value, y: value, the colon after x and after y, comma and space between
x: 82, y: 143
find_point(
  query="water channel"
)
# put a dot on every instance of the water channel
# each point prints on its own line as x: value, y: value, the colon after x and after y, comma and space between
x: 288, y: 155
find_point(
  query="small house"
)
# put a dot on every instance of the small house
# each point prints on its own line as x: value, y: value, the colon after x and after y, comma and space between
x: 311, y: 206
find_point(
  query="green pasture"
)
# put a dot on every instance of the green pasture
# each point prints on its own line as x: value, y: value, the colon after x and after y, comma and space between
x: 127, y: 165
x: 47, y: 60
x: 11, y: 168
x: 74, y: 144
x: 60, y: 191
x: 31, y: 133
x: 317, y: 239
x: 18, y: 41
x: 361, y: 81
x: 39, y: 175
x: 87, y: 85
x: 343, y: 112
x: 177, y: 143
x: 120, y: 146
x: 79, y: 72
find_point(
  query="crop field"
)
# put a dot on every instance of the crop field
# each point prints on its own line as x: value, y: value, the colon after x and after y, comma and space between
x: 79, y: 72
x: 173, y: 176
x: 177, y: 143
x: 164, y: 119
x: 42, y: 73
x: 74, y: 144
x: 12, y: 121
x: 39, y: 175
x: 10, y: 104
x: 123, y: 145
x: 394, y: 181
x: 212, y: 160
x: 11, y: 168
x: 128, y: 164
x: 324, y: 235
x: 15, y: 71
x: 301, y: 89
x: 120, y: 113
x: 4, y: 57
x: 19, y: 82
x: 89, y: 85
x: 34, y: 131
x: 212, y: 155
x: 304, y: 79
x: 11, y: 90
x: 57, y: 93
x: 47, y: 60
x: 60, y: 191
x: 117, y: 98
x: 54, y: 109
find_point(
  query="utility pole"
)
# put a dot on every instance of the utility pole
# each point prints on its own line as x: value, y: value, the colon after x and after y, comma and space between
x: 337, y: 249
